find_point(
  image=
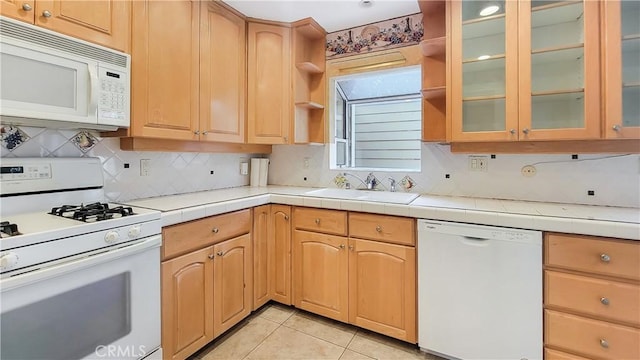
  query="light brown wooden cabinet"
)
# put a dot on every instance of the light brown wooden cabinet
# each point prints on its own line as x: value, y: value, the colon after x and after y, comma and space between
x: 272, y: 254
x: 591, y: 297
x: 357, y: 268
x: 104, y: 22
x: 222, y: 74
x: 269, y: 83
x: 165, y: 69
x: 187, y: 303
x: 206, y: 290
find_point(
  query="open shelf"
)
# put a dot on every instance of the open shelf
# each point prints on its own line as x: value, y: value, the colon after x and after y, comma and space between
x: 434, y: 92
x: 309, y: 29
x: 309, y: 67
x: 433, y: 47
x: 309, y: 105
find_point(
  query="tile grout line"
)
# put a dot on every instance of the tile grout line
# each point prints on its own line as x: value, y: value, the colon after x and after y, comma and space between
x: 263, y: 340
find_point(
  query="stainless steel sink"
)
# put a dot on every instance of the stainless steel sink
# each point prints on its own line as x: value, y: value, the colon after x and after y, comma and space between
x: 363, y: 195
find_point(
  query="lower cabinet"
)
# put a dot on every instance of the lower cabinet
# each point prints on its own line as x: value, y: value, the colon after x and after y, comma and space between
x: 187, y: 303
x: 367, y: 282
x: 205, y: 291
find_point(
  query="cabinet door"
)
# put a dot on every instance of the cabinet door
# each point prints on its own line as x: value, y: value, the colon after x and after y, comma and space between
x: 382, y: 288
x: 222, y: 74
x: 233, y: 282
x: 187, y: 303
x: 104, y: 22
x: 320, y: 264
x: 18, y: 9
x: 269, y: 84
x: 262, y: 272
x: 280, y: 254
x: 164, y: 62
x: 484, y: 73
x: 559, y: 69
x: 622, y: 68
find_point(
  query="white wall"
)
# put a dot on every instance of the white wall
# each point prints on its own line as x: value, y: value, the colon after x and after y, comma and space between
x: 614, y: 179
x: 170, y: 173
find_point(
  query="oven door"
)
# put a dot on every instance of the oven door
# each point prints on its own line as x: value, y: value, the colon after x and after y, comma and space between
x: 102, y: 306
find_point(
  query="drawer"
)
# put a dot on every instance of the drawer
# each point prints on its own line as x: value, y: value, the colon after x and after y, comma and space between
x: 593, y: 254
x: 592, y: 338
x: 550, y: 354
x: 320, y: 220
x: 182, y: 238
x: 611, y: 300
x: 392, y: 229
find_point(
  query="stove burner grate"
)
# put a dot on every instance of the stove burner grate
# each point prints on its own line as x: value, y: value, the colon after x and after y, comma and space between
x: 91, y: 212
x: 9, y: 229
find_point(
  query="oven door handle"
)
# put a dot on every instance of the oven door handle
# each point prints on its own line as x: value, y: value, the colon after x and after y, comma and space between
x: 88, y: 260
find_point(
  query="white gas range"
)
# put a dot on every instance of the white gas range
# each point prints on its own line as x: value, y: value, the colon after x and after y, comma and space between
x: 79, y: 278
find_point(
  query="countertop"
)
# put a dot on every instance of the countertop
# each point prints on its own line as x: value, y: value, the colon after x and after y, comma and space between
x: 568, y: 218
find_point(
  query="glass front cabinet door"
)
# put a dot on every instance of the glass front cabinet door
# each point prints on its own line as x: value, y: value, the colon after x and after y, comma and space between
x: 621, y: 34
x: 525, y: 70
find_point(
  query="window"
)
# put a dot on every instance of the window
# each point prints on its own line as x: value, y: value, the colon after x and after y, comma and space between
x: 377, y: 120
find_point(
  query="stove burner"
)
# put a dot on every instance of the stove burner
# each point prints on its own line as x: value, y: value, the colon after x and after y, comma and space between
x: 9, y: 229
x: 91, y: 212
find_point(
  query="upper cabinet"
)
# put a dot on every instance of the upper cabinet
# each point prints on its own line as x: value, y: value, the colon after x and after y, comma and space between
x: 104, y: 22
x: 309, y: 85
x: 526, y: 70
x: 164, y: 62
x: 222, y: 74
x: 269, y: 83
x: 621, y: 35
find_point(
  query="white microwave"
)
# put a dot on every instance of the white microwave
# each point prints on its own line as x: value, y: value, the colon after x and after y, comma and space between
x: 52, y: 80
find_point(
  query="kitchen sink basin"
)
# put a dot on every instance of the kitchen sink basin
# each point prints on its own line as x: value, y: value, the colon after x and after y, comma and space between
x: 364, y: 195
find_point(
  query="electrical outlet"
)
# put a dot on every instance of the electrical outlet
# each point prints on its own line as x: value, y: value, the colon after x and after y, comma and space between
x: 528, y: 170
x: 144, y: 167
x: 478, y: 163
x: 244, y: 168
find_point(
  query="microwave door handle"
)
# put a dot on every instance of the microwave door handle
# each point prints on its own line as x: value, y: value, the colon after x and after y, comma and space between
x: 95, y: 90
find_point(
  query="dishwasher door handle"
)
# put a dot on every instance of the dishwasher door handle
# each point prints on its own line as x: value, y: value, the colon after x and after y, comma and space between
x: 475, y: 241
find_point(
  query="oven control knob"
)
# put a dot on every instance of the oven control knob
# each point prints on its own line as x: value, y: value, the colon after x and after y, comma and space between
x: 111, y: 237
x: 8, y: 260
x: 134, y: 232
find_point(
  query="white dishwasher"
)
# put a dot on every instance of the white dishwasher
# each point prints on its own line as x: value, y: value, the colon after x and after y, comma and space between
x: 479, y: 291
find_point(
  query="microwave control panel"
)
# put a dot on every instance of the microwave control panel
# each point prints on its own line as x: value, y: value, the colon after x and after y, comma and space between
x: 114, y: 95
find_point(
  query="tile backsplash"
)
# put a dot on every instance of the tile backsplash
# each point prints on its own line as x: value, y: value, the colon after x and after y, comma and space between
x: 169, y: 173
x: 614, y: 180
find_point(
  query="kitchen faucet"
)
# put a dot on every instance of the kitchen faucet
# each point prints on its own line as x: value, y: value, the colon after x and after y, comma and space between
x: 371, y: 181
x: 392, y: 186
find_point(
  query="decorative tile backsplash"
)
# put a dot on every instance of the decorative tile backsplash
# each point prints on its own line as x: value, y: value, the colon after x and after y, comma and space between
x: 384, y: 35
x: 169, y: 173
x: 614, y: 179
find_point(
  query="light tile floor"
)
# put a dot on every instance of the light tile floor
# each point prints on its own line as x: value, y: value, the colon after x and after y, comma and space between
x: 278, y: 332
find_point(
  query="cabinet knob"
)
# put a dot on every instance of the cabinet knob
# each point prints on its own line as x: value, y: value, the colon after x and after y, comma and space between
x: 286, y: 217
x: 46, y: 13
x: 525, y: 131
x: 351, y: 247
x: 211, y: 256
x: 205, y: 132
x: 26, y: 7
x: 378, y: 228
x: 219, y: 253
x: 604, y: 343
x: 215, y: 230
x: 512, y: 131
x: 616, y: 127
x: 605, y: 258
x: 341, y: 246
x: 604, y: 301
x: 197, y: 132
x: 317, y: 221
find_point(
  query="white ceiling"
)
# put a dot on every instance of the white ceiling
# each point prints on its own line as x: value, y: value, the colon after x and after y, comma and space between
x: 332, y: 15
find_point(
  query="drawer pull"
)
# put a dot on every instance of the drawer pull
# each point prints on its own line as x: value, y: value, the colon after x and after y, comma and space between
x: 215, y: 230
x: 219, y: 253
x: 317, y: 221
x: 604, y: 301
x: 605, y: 258
x: 378, y: 228
x: 604, y: 343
